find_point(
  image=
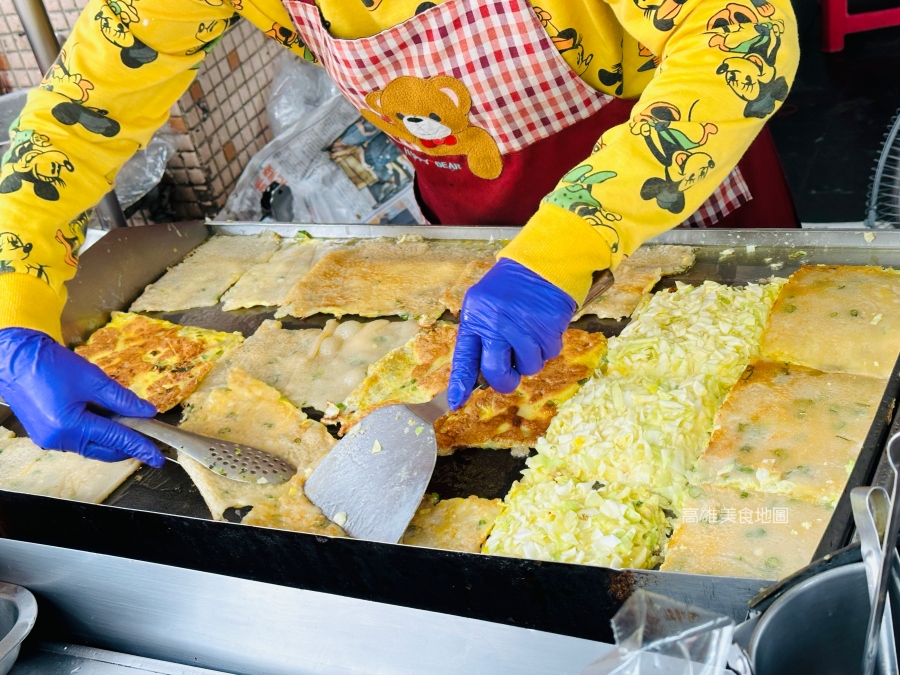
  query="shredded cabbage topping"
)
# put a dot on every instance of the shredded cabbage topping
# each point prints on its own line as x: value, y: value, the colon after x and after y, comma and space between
x: 611, y: 473
x: 565, y: 520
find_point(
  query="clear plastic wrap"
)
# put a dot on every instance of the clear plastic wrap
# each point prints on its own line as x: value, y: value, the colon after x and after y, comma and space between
x: 298, y: 89
x: 656, y: 635
x: 145, y: 169
x: 325, y: 164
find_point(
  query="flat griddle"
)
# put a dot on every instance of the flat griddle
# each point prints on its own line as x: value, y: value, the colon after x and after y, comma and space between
x: 159, y: 516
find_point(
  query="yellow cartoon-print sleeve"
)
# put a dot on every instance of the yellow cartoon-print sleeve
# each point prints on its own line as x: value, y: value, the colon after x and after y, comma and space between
x: 725, y: 68
x: 124, y: 65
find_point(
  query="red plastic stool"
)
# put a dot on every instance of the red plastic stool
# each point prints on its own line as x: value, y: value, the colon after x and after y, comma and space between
x: 838, y: 22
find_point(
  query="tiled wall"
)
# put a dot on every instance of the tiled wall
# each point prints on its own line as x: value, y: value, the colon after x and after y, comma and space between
x: 220, y: 120
x: 18, y: 69
x: 223, y: 114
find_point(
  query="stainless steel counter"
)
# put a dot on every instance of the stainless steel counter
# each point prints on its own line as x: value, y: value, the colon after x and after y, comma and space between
x: 231, y: 625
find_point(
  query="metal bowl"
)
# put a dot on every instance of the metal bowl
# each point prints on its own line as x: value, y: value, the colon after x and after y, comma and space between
x: 819, y: 626
x: 18, y: 612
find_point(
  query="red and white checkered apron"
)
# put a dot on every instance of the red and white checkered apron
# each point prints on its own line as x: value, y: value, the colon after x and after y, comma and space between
x: 541, y: 114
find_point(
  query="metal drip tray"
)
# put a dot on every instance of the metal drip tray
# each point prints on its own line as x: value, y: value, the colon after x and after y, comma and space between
x: 18, y: 612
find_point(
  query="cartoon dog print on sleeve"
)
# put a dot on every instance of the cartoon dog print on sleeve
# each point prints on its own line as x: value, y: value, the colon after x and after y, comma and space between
x: 210, y: 33
x: 752, y: 45
x: 662, y: 12
x: 432, y: 116
x: 73, y: 241
x: 372, y: 5
x: 115, y: 19
x: 32, y: 159
x: 61, y: 80
x: 613, y: 78
x: 565, y: 40
x: 674, y: 143
x: 652, y: 62
x: 289, y: 38
x: 15, y: 257
x: 13, y: 251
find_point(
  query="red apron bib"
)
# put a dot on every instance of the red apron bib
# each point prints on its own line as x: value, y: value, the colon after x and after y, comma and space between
x: 477, y: 97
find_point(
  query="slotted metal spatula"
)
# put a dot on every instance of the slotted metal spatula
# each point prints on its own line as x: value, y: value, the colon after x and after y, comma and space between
x: 232, y: 460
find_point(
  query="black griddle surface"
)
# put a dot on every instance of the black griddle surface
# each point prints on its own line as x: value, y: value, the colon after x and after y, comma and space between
x: 470, y: 471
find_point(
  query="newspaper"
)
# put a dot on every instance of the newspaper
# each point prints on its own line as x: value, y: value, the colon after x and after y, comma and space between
x: 340, y: 169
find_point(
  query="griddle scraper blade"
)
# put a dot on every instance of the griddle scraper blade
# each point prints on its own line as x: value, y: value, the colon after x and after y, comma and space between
x: 373, y: 480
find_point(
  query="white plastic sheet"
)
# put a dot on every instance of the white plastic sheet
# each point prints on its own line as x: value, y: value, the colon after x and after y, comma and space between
x: 656, y: 635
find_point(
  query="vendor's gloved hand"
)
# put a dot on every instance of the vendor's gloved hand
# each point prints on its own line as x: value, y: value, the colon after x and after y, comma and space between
x: 47, y: 386
x: 512, y: 322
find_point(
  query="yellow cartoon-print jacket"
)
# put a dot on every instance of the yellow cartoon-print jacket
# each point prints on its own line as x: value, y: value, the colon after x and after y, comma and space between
x: 709, y: 73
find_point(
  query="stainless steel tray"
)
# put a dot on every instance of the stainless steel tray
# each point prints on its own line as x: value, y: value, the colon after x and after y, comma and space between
x: 18, y: 613
x: 158, y: 516
x: 52, y: 658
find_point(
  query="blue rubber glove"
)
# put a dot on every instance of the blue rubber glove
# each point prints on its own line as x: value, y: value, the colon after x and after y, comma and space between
x: 512, y: 322
x: 47, y: 386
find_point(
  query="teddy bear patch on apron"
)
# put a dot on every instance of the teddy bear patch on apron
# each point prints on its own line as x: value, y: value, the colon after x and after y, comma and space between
x: 477, y: 97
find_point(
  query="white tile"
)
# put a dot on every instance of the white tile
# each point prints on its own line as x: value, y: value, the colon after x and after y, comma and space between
x: 196, y: 177
x: 184, y: 142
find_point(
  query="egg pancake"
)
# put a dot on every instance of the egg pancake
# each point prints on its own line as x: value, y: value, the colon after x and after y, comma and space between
x: 636, y: 276
x: 515, y: 421
x: 311, y: 367
x: 453, y: 524
x: 727, y: 532
x: 24, y: 467
x: 670, y: 259
x: 453, y: 297
x: 210, y: 270
x: 268, y: 283
x: 790, y: 429
x: 382, y: 277
x: 622, y: 298
x: 413, y: 373
x: 250, y: 412
x: 158, y: 360
x: 838, y: 319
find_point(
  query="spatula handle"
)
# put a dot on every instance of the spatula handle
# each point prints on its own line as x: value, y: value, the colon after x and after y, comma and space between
x: 165, y: 433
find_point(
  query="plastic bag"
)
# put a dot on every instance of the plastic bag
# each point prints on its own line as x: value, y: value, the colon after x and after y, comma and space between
x: 327, y: 166
x: 656, y: 635
x: 145, y: 169
x: 299, y: 88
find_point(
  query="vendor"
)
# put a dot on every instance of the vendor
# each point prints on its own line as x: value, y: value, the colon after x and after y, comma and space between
x: 595, y: 124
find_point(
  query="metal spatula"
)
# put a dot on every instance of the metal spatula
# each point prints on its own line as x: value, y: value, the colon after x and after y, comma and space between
x: 231, y: 460
x: 374, y: 478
